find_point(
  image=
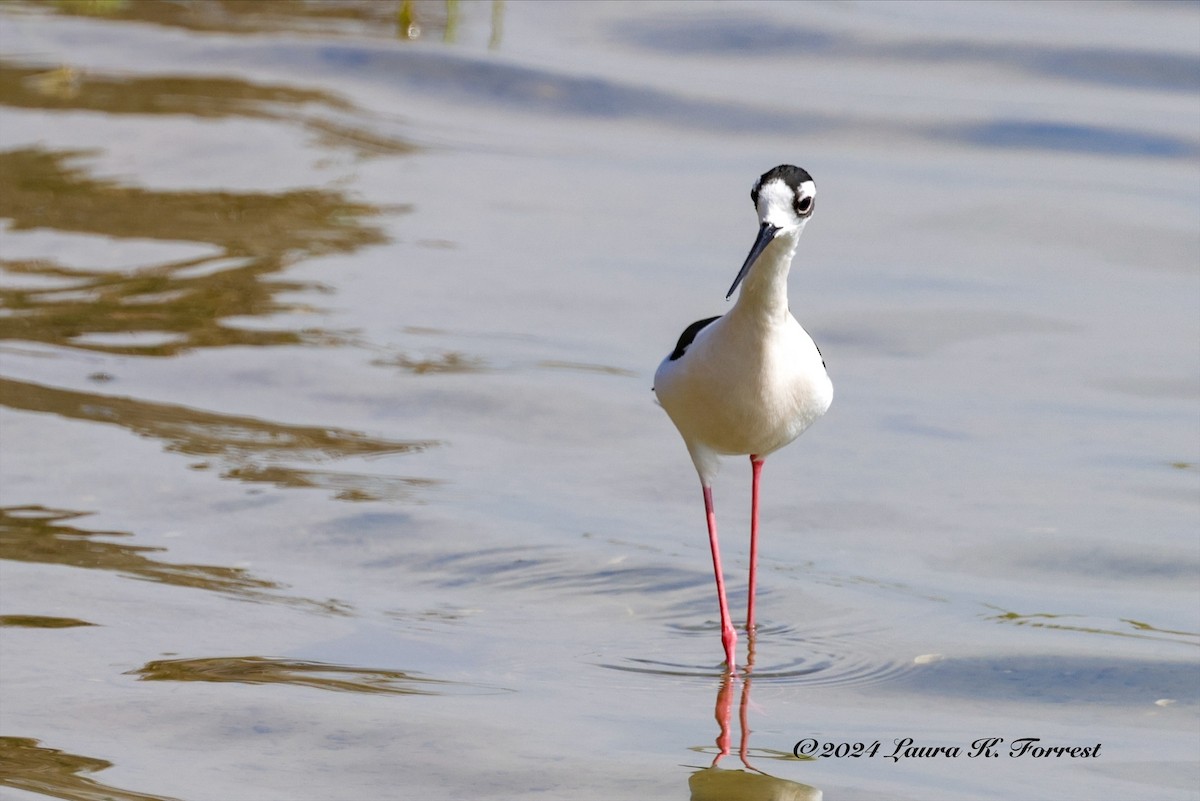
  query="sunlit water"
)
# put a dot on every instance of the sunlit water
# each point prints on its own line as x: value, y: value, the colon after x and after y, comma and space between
x: 330, y: 467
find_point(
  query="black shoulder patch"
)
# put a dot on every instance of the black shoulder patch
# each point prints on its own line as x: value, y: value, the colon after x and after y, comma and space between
x: 688, y: 335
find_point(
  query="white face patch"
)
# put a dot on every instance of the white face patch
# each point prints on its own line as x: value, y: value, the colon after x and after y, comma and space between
x: 777, y: 203
x: 807, y: 189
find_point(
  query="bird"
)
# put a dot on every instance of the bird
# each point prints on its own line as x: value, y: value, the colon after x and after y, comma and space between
x: 751, y: 381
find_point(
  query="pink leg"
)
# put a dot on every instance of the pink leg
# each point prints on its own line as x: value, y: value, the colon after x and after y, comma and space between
x: 728, y: 635
x: 756, y: 464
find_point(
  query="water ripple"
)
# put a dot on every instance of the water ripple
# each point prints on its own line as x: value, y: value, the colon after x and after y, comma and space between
x: 794, y: 657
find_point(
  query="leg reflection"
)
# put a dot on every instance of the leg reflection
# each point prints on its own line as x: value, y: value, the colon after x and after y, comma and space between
x: 722, y: 712
x: 744, y: 706
x: 717, y: 784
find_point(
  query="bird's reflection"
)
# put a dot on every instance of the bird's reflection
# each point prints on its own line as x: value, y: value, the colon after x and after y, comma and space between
x: 719, y: 784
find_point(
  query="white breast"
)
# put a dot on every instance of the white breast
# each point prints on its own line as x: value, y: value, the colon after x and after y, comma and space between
x: 745, y: 386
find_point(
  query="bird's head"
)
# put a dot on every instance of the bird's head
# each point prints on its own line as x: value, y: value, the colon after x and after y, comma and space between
x: 784, y: 198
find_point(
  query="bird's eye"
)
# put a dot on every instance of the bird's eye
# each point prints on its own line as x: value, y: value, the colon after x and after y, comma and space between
x: 803, y: 205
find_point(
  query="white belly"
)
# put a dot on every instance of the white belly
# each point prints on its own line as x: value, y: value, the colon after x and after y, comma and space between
x: 742, y: 389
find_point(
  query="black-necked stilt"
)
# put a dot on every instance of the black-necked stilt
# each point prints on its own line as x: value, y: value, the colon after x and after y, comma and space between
x: 751, y: 381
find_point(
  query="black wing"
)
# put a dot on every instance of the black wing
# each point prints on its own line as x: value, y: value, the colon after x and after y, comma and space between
x: 688, y: 335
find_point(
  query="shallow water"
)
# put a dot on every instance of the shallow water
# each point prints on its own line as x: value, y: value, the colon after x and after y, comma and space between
x: 330, y: 467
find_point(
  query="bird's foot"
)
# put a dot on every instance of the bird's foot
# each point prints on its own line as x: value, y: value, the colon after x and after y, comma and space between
x: 729, y: 640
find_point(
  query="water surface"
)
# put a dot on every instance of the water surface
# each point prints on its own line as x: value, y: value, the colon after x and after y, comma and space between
x: 330, y: 467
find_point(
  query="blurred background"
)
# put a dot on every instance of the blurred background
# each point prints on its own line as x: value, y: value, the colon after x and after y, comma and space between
x: 329, y: 466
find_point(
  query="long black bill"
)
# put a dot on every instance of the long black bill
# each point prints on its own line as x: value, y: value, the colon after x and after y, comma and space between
x: 765, y: 234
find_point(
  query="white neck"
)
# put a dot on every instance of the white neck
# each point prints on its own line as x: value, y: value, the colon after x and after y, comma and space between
x: 764, y: 290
